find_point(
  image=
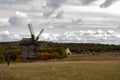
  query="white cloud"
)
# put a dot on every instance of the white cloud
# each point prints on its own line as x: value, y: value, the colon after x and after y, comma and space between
x: 88, y: 36
x: 47, y: 12
x: 57, y: 14
x: 6, y: 36
x: 19, y: 18
x: 50, y: 27
x: 4, y: 23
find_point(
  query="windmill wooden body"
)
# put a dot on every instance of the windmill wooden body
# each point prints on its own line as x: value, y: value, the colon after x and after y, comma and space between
x: 29, y: 45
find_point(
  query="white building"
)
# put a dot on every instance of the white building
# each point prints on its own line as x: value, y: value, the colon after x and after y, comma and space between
x: 68, y: 52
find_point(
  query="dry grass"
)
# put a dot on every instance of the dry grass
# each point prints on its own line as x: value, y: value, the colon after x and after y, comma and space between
x: 66, y: 70
x: 89, y: 57
x: 76, y: 67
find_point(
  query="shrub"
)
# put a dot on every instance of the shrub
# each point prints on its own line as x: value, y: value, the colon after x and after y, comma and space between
x: 38, y: 56
x: 43, y: 56
x: 13, y: 57
x: 19, y: 58
x: 56, y: 55
x: 64, y: 55
x: 2, y: 58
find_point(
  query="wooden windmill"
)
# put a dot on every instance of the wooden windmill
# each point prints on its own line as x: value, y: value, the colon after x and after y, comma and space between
x: 29, y: 45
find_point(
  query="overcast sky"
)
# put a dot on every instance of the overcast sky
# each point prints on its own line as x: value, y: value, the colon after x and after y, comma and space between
x: 77, y: 21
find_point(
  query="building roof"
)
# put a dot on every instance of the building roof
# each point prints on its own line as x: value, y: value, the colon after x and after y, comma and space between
x: 26, y: 41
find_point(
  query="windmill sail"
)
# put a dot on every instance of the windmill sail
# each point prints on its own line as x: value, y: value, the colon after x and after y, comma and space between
x: 39, y: 34
x: 31, y: 31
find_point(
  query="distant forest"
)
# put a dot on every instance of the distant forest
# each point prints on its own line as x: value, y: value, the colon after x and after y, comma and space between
x: 56, y: 50
x: 79, y: 48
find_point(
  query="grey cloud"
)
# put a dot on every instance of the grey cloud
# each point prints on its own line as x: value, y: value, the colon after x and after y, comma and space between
x: 107, y: 3
x: 74, y: 21
x: 47, y: 13
x: 14, y: 1
x: 14, y: 20
x: 59, y: 14
x: 56, y: 26
x: 19, y: 18
x: 53, y: 3
x: 86, y: 2
x: 57, y: 3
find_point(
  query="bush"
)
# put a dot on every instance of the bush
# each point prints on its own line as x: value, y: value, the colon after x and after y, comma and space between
x: 64, y: 55
x: 19, y: 58
x: 43, y: 56
x: 38, y: 56
x: 56, y: 55
x: 13, y: 57
x: 2, y: 58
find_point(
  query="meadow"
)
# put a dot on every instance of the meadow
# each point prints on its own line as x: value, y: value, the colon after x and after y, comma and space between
x: 71, y: 68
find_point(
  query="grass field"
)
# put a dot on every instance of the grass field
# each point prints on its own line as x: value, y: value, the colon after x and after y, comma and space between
x: 109, y: 56
x: 62, y: 70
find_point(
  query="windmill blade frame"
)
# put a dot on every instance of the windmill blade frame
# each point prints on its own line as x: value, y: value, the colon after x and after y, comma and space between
x: 31, y: 31
x: 39, y: 35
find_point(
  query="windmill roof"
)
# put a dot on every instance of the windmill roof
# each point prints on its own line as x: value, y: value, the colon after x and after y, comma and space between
x: 26, y: 41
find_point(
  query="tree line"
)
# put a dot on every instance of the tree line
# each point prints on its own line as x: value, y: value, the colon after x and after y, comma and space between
x: 52, y: 50
x: 82, y: 47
